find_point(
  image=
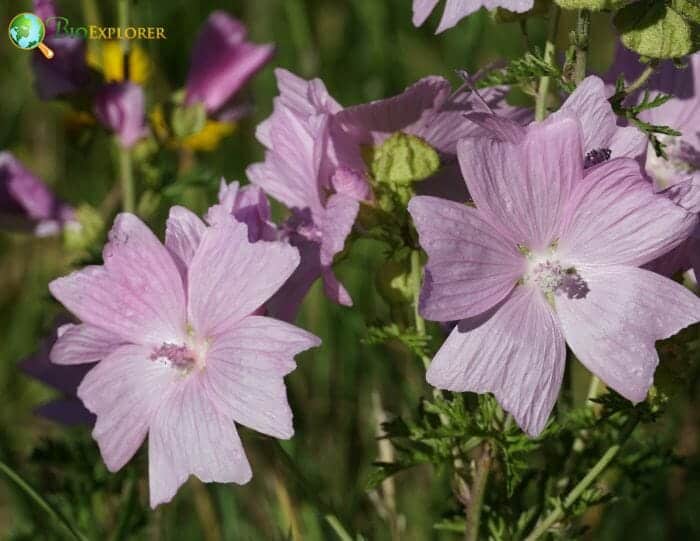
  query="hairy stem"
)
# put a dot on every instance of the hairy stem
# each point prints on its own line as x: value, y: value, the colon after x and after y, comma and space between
x: 17, y: 479
x: 415, y: 284
x: 600, y: 466
x: 583, y: 28
x: 549, y: 52
x: 477, y: 492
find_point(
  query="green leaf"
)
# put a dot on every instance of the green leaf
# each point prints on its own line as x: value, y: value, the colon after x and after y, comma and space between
x: 593, y: 5
x: 403, y: 159
x: 688, y: 9
x: 655, y: 30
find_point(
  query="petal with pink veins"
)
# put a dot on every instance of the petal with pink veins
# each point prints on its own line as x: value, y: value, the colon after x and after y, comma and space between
x: 525, y: 186
x: 515, y: 351
x: 245, y: 371
x: 78, y: 344
x: 189, y: 435
x: 615, y: 218
x: 471, y: 266
x: 124, y: 391
x: 612, y: 329
x: 230, y: 278
x: 137, y: 294
x: 183, y: 232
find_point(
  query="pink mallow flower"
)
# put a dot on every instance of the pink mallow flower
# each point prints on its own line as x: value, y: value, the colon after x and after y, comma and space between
x: 182, y: 357
x: 121, y: 108
x: 26, y: 203
x: 456, y: 10
x: 549, y: 256
x: 223, y: 61
x: 246, y: 204
x: 307, y: 169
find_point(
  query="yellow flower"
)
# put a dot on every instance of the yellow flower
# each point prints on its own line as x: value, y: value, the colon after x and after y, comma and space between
x: 110, y: 61
x: 209, y: 137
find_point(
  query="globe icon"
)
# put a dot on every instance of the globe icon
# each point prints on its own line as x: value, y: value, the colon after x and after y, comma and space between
x: 26, y: 31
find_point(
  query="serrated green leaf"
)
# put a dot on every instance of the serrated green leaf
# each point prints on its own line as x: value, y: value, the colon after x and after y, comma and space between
x: 403, y: 159
x: 655, y: 30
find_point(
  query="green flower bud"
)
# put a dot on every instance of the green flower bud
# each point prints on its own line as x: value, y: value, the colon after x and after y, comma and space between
x: 88, y: 230
x: 188, y: 120
x: 688, y: 9
x: 402, y: 159
x: 655, y: 30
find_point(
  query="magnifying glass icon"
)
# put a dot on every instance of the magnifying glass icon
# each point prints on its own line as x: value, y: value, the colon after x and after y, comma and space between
x: 27, y: 32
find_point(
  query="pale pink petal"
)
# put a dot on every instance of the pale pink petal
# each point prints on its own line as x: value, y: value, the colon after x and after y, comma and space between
x: 230, y: 278
x: 245, y: 371
x: 628, y: 142
x: 183, y: 232
x: 138, y: 293
x: 290, y: 172
x: 124, y: 391
x: 525, y: 186
x: 456, y: 10
x: 306, y: 98
x: 333, y: 289
x: 616, y: 218
x: 338, y: 219
x: 422, y: 10
x: 471, y: 266
x: 515, y: 351
x: 612, y: 329
x: 79, y: 344
x: 373, y: 122
x: 188, y: 435
x: 499, y: 127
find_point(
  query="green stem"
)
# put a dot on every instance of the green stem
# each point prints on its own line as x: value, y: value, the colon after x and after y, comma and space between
x: 478, y: 490
x: 126, y: 178
x: 642, y: 79
x: 41, y: 502
x: 549, y: 57
x: 583, y: 28
x: 600, y: 466
x: 415, y: 284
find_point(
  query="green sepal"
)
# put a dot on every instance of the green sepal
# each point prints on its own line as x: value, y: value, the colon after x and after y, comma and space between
x: 188, y: 119
x: 402, y: 159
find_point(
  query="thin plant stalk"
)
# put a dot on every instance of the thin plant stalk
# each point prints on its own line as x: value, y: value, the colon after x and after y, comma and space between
x: 477, y: 493
x: 549, y: 57
x: 583, y: 30
x: 126, y: 170
x: 17, y: 479
x: 600, y: 466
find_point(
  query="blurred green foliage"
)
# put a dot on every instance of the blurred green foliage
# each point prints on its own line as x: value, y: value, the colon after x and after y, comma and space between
x: 363, y: 50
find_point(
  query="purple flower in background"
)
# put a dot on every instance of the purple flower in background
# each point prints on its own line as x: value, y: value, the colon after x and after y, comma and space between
x: 66, y: 73
x: 121, y: 108
x: 307, y: 169
x: 549, y: 256
x: 223, y: 61
x: 246, y: 204
x: 456, y: 10
x: 67, y: 410
x: 46, y: 9
x: 186, y: 357
x: 27, y: 203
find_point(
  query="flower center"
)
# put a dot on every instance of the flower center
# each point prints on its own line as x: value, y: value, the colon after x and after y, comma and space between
x: 180, y: 358
x: 551, y: 276
x: 683, y: 159
x: 547, y: 275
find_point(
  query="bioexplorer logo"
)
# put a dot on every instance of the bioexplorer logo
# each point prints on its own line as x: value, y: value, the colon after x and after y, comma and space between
x: 92, y: 31
x: 27, y: 31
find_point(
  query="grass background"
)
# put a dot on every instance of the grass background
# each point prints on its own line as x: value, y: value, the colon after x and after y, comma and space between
x: 363, y: 50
